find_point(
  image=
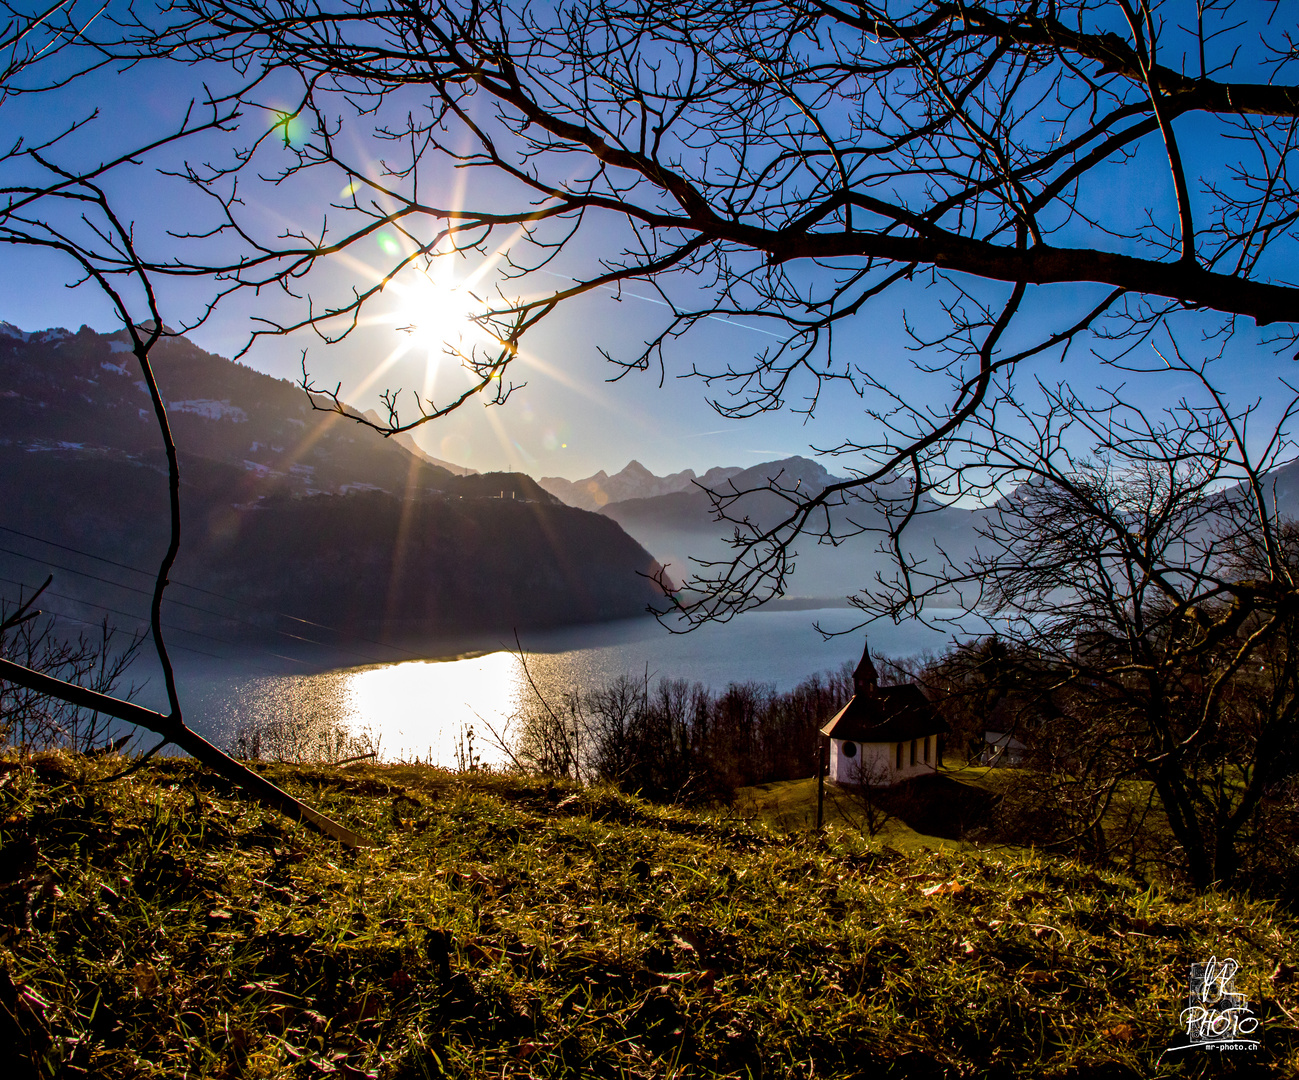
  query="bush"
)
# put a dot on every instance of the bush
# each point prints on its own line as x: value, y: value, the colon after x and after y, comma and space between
x: 676, y: 741
x: 97, y: 661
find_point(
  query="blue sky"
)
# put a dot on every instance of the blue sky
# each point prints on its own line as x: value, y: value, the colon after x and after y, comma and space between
x: 569, y: 420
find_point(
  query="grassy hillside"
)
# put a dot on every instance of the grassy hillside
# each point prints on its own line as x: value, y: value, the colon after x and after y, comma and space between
x: 155, y: 927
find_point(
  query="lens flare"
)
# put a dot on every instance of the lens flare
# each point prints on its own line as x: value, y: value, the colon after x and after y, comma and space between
x: 435, y: 315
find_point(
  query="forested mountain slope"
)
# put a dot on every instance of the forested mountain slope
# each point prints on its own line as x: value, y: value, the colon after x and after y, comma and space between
x: 285, y: 509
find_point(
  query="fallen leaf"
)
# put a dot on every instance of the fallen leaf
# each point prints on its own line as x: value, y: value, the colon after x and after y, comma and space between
x: 364, y: 1008
x: 478, y: 952
x: 526, y: 1049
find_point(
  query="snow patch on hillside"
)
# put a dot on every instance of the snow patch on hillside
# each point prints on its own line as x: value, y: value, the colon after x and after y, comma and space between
x: 213, y: 410
x: 54, y: 333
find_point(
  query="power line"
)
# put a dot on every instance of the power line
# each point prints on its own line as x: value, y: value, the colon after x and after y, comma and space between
x: 133, y: 615
x: 206, y: 592
x: 87, y: 622
x: 149, y: 593
x: 172, y: 626
x: 344, y: 649
x: 87, y: 554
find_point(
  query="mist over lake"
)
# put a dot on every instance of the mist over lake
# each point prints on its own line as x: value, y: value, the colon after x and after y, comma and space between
x: 419, y: 707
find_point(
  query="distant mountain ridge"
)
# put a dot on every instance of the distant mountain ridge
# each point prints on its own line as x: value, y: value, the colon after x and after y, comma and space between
x: 637, y: 482
x: 1282, y: 488
x: 633, y: 482
x: 673, y: 517
x: 285, y: 508
x: 680, y: 526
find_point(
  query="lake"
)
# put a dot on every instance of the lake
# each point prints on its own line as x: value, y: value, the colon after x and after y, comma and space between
x: 418, y: 707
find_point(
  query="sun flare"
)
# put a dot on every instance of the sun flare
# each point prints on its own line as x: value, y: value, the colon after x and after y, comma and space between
x: 436, y: 315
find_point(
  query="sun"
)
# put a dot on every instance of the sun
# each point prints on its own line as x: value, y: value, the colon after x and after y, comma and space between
x: 437, y: 315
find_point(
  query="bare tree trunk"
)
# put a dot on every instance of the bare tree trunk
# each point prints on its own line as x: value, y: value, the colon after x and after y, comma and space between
x: 190, y: 741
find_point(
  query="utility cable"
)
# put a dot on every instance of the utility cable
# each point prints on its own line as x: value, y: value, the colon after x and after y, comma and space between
x: 87, y: 622
x: 144, y: 622
x: 147, y: 592
x: 344, y: 649
x: 208, y: 592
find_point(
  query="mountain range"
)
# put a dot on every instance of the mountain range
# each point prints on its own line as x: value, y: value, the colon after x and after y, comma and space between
x: 291, y: 513
x: 288, y: 512
x: 674, y: 517
x: 633, y: 482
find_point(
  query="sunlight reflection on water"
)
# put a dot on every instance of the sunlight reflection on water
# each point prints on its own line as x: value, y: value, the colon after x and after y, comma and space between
x: 409, y: 710
x: 424, y: 705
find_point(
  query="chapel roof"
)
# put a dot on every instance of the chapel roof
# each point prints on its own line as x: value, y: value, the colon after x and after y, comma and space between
x: 883, y: 713
x: 891, y: 714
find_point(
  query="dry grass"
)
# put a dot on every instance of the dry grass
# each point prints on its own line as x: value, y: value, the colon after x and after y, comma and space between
x: 157, y: 927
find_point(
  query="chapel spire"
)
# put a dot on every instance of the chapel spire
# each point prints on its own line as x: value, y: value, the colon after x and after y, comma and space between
x: 866, y: 680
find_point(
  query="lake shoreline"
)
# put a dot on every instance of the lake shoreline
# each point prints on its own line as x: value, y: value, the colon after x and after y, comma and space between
x: 418, y: 698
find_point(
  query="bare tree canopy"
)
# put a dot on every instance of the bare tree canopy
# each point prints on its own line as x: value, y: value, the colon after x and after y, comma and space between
x: 68, y: 209
x: 1158, y: 610
x: 1058, y: 175
x: 979, y: 140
